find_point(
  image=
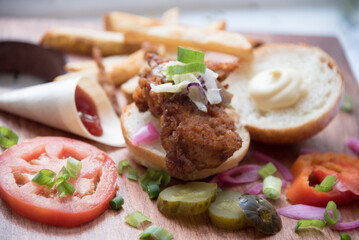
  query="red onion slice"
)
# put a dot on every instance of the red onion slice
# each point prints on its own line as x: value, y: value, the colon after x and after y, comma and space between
x: 287, y: 175
x: 255, y: 189
x: 301, y: 211
x: 343, y: 226
x: 353, y: 144
x: 258, y: 188
x: 197, y: 95
x: 146, y: 133
x: 248, y: 173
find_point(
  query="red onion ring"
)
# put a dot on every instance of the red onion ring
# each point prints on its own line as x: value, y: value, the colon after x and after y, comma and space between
x: 287, y: 175
x: 258, y: 188
x: 249, y: 173
x: 301, y: 211
x: 343, y: 226
x: 146, y: 133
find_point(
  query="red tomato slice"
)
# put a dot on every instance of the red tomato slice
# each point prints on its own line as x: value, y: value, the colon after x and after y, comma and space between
x: 95, y: 185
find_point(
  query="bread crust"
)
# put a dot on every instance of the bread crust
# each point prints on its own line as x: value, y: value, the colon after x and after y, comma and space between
x: 289, y: 135
x: 147, y: 156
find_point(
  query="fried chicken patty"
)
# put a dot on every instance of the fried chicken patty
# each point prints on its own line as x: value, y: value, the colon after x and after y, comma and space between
x: 192, y: 139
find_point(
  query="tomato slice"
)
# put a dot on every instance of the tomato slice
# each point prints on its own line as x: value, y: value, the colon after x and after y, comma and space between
x: 95, y: 185
x: 319, y: 166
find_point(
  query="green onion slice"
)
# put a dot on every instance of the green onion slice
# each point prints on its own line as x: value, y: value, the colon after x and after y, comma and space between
x: 132, y: 174
x: 73, y: 166
x: 267, y: 170
x: 272, y: 187
x: 345, y: 236
x: 306, y: 223
x: 117, y: 203
x: 64, y: 174
x: 187, y: 68
x: 348, y: 104
x: 65, y: 188
x: 135, y: 218
x: 156, y: 232
x: 121, y: 165
x: 7, y: 137
x: 44, y: 177
x: 187, y: 55
x: 152, y: 178
x: 327, y: 184
x: 153, y: 191
x: 333, y: 207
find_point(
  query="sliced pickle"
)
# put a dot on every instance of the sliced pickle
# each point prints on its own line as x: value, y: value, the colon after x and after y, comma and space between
x: 226, y: 213
x: 188, y: 199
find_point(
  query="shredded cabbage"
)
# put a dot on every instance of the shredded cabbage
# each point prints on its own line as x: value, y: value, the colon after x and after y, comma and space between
x: 204, y: 92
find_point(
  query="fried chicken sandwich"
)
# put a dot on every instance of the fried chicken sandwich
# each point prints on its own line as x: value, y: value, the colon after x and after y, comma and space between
x: 199, y: 135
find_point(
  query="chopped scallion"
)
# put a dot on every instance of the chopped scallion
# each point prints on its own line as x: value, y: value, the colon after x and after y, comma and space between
x: 63, y: 187
x: 153, y: 191
x: 44, y: 177
x: 187, y: 55
x: 73, y: 166
x: 151, y: 178
x: 306, y: 223
x: 156, y: 231
x: 272, y: 187
x: 7, y: 137
x: 187, y: 68
x: 333, y: 207
x: 135, y: 218
x: 327, y: 184
x: 121, y: 165
x: 132, y: 174
x: 267, y: 170
x: 348, y: 104
x: 117, y: 203
x: 345, y: 236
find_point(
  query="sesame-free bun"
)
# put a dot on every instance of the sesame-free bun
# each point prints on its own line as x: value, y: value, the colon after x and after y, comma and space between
x: 314, y: 110
x: 153, y: 155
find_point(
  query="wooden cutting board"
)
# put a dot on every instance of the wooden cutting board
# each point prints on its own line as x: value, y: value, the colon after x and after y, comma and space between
x: 111, y: 224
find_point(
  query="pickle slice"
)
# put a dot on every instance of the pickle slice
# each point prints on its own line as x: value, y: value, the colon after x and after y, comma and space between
x: 226, y: 213
x: 189, y: 199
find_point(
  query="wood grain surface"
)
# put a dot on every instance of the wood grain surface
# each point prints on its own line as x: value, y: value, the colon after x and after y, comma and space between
x: 111, y: 224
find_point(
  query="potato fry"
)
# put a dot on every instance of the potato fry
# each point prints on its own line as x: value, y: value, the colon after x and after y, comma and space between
x: 203, y: 39
x: 171, y: 17
x: 128, y: 88
x: 216, y: 25
x: 120, y: 73
x: 117, y: 73
x: 123, y: 22
x: 82, y: 65
x: 79, y: 40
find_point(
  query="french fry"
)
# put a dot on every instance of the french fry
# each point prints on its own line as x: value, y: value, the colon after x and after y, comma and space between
x: 120, y: 73
x: 79, y: 40
x: 216, y: 25
x: 117, y: 73
x: 82, y: 65
x: 171, y: 17
x: 122, y: 22
x: 128, y: 88
x: 203, y: 39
